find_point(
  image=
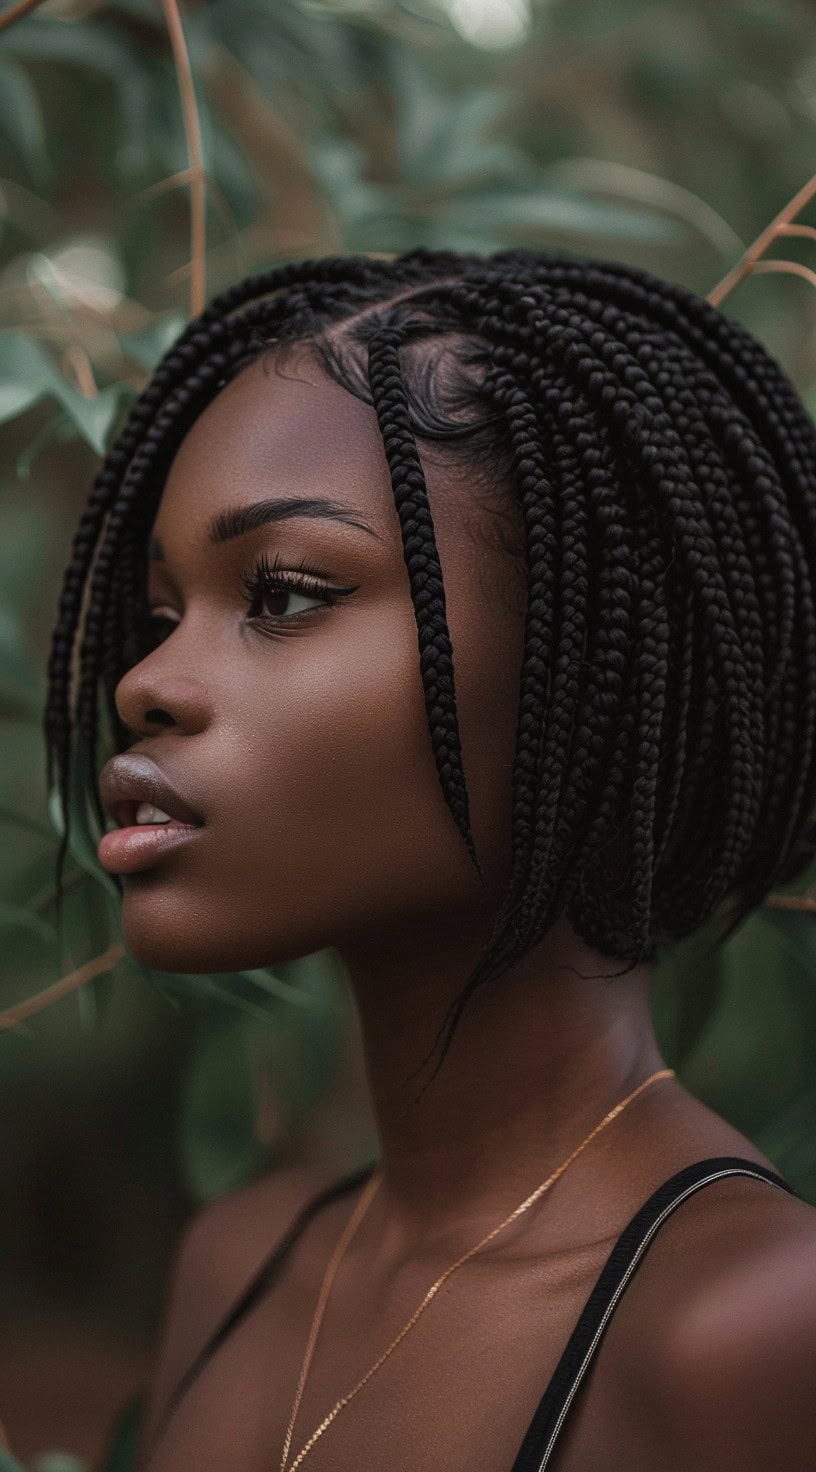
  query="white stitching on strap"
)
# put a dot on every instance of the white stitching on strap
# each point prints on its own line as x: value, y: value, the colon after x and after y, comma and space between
x: 678, y: 1200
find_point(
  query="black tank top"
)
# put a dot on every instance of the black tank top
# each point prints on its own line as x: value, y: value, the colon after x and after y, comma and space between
x: 623, y: 1261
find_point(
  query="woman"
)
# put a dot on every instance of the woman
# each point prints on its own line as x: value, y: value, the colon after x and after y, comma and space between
x: 495, y: 794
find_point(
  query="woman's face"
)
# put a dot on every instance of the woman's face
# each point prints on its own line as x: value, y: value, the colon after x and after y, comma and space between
x: 297, y: 728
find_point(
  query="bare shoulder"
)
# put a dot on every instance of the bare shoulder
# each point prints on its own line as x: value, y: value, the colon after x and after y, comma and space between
x: 732, y: 1342
x: 219, y: 1251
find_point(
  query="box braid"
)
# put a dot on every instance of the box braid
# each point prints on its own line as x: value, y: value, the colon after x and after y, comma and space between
x: 662, y: 469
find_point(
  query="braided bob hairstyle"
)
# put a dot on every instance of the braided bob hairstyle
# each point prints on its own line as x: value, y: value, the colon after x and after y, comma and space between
x: 663, y: 471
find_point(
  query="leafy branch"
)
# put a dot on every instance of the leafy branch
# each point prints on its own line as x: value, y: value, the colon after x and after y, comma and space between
x: 780, y: 225
x: 62, y: 988
x: 24, y: 7
x: 192, y: 131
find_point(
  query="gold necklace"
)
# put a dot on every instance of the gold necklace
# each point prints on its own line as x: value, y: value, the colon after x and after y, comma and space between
x: 351, y: 1227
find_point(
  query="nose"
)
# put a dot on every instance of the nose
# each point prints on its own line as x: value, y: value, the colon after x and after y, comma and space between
x: 160, y: 693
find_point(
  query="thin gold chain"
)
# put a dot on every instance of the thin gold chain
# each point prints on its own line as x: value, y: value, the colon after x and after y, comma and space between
x: 351, y: 1227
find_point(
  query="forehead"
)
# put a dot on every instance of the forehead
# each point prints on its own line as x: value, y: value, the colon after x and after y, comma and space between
x: 279, y: 429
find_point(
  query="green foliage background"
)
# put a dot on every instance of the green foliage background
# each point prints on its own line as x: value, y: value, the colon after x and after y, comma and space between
x: 662, y: 134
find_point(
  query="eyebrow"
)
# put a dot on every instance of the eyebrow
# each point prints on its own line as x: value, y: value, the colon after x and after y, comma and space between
x: 237, y: 521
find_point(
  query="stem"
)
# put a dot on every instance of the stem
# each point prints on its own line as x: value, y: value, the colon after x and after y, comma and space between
x: 23, y: 7
x: 192, y: 131
x: 790, y: 902
x: 746, y: 263
x: 62, y: 988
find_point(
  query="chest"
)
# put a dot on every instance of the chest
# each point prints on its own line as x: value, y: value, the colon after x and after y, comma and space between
x: 458, y: 1392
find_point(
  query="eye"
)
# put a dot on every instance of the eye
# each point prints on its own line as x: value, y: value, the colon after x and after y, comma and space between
x: 270, y: 590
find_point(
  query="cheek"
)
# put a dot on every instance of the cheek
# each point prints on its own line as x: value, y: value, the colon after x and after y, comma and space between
x: 325, y: 811
x: 343, y: 759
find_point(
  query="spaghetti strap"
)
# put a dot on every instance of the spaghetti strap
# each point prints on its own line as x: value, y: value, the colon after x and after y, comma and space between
x: 628, y: 1252
x: 258, y: 1285
x: 626, y: 1256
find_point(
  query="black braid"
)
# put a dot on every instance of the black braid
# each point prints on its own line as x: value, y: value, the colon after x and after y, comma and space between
x: 662, y: 469
x: 425, y: 574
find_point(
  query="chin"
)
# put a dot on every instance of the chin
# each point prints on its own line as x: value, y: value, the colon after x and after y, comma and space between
x: 164, y: 934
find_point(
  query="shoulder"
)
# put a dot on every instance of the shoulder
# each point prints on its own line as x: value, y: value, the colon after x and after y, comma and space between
x: 218, y: 1252
x: 733, y: 1337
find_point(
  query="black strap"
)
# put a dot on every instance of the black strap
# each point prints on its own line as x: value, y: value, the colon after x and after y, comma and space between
x: 258, y: 1285
x: 626, y: 1256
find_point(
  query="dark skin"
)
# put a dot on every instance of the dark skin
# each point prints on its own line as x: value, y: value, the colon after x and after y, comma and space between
x: 304, y: 743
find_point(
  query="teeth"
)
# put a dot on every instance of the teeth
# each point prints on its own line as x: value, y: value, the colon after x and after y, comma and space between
x: 146, y: 813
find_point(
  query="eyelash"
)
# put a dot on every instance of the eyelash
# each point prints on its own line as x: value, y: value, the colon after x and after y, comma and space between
x: 264, y: 580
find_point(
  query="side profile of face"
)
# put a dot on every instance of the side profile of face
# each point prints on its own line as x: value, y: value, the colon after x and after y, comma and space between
x: 299, y: 730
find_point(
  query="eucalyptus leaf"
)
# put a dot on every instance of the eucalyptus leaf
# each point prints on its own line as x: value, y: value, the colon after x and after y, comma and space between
x: 15, y: 917
x: 21, y: 119
x: 24, y: 820
x: 93, y: 46
x: 27, y: 375
x: 545, y: 211
x: 751, y: 1059
x: 84, y: 831
x: 217, y: 1126
x: 8, y: 1463
x: 120, y: 1453
x: 149, y: 346
x: 19, y: 689
x: 59, y: 1462
x: 283, y: 991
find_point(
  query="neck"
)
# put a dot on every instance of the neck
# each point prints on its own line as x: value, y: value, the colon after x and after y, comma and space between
x: 538, y: 1058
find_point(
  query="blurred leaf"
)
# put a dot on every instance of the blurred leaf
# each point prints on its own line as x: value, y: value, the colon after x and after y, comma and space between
x: 84, y: 832
x: 444, y: 137
x: 338, y: 163
x: 58, y: 1462
x: 749, y: 1061
x: 790, y: 1142
x: 217, y: 1129
x: 148, y: 346
x: 8, y: 1463
x: 598, y: 20
x: 120, y: 1454
x: 541, y: 211
x: 282, y: 991
x: 27, y: 375
x: 688, y: 983
x: 282, y: 1050
x: 21, y: 119
x: 23, y: 820
x: 15, y: 917
x: 19, y: 689
x: 94, y: 47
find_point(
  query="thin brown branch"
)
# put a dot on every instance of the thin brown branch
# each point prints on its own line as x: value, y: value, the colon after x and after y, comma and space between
x: 174, y: 181
x: 192, y: 132
x: 790, y: 902
x: 793, y: 267
x: 62, y: 988
x: 807, y: 230
x: 76, y: 359
x: 23, y: 7
x: 763, y: 240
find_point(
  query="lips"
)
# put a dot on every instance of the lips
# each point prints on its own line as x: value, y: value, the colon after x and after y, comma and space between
x: 131, y: 778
